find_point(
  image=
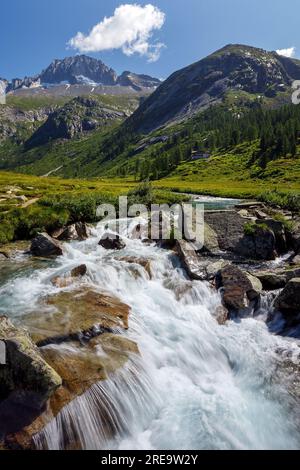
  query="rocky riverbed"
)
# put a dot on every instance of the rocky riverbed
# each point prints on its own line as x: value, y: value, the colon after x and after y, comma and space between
x: 125, y: 343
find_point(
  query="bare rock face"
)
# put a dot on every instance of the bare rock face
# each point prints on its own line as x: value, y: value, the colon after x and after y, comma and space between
x: 44, y: 245
x: 26, y: 380
x: 288, y: 301
x: 240, y: 290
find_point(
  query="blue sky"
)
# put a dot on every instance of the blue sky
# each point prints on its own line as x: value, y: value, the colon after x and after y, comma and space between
x: 34, y: 32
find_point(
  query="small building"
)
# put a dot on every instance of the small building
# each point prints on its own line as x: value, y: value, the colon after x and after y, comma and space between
x: 199, y: 156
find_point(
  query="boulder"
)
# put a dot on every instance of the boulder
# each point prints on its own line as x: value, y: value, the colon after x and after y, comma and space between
x: 79, y: 271
x: 26, y: 380
x: 228, y: 227
x: 278, y: 229
x: 78, y: 231
x: 271, y: 280
x: 288, y: 301
x: 110, y: 242
x: 260, y: 245
x: 45, y: 246
x: 81, y: 367
x: 145, y: 263
x: 76, y: 314
x: 240, y: 290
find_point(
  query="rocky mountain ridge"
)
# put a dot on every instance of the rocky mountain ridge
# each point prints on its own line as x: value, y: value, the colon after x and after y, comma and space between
x: 81, y: 70
x: 234, y: 68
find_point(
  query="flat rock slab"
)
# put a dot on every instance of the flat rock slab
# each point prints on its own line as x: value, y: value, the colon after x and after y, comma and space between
x: 72, y: 313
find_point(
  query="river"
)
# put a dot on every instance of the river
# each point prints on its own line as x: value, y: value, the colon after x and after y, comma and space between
x: 196, y: 385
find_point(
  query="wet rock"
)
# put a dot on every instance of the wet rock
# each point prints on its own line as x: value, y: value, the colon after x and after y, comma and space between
x: 110, y: 242
x: 221, y: 314
x: 68, y: 279
x: 78, y: 231
x: 76, y: 314
x: 271, y: 280
x: 80, y: 368
x: 26, y: 380
x: 240, y: 290
x: 79, y: 271
x: 288, y: 301
x: 190, y: 260
x: 44, y: 245
x: 180, y: 288
x: 145, y: 263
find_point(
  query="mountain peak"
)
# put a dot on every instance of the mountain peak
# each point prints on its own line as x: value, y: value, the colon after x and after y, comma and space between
x: 235, y: 67
x: 69, y: 68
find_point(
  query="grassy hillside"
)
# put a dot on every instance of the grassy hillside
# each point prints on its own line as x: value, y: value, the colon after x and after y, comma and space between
x: 232, y: 174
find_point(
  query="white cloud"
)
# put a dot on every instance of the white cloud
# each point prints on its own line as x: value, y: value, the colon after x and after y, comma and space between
x: 289, y: 52
x: 130, y: 29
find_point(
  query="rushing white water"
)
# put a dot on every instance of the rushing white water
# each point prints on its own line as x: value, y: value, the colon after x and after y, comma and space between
x: 197, y: 385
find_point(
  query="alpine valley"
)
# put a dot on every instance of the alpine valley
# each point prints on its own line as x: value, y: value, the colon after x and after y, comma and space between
x: 112, y: 337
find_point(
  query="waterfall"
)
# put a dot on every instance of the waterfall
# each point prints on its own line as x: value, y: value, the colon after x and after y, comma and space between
x: 196, y: 385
